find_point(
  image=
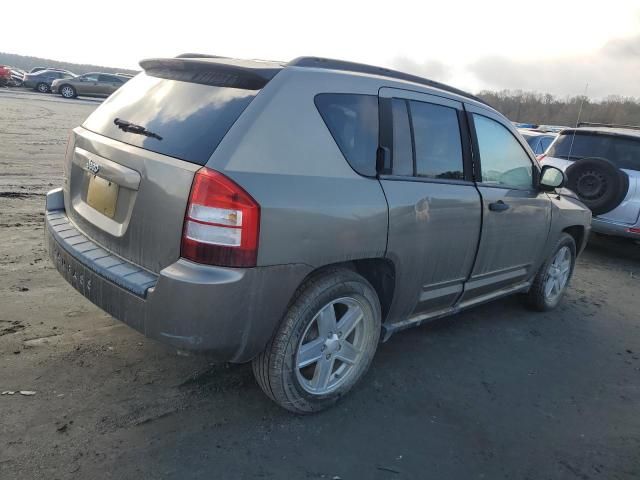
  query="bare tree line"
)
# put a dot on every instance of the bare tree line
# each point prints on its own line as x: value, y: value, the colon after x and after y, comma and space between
x: 547, y: 109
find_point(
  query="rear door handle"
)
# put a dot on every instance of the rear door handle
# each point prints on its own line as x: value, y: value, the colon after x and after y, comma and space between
x: 498, y: 206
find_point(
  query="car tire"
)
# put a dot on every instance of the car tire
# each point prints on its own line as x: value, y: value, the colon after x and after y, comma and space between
x: 557, y: 269
x: 304, y: 367
x: 42, y: 87
x: 67, y: 91
x: 599, y: 184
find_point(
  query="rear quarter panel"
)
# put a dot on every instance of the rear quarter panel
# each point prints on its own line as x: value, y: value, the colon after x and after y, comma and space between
x: 315, y: 209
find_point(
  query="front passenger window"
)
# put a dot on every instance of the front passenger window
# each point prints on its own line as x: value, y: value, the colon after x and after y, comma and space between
x: 503, y: 160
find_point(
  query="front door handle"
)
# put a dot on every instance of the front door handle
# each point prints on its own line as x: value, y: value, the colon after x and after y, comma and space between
x: 498, y: 206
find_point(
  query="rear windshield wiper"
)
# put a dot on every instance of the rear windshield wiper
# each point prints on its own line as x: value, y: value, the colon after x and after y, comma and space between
x: 133, y: 128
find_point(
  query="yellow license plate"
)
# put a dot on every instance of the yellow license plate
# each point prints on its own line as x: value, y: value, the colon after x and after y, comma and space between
x: 102, y: 195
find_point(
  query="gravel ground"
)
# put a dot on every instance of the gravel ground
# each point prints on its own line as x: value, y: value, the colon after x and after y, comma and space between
x: 497, y: 392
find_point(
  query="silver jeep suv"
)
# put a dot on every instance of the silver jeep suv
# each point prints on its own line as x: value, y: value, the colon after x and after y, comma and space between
x: 294, y: 214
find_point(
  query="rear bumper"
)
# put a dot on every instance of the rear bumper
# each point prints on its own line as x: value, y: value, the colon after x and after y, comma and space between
x: 617, y: 229
x: 227, y: 312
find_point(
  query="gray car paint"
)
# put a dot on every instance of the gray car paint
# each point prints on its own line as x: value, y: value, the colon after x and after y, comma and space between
x: 315, y: 211
x: 147, y: 226
x: 434, y: 229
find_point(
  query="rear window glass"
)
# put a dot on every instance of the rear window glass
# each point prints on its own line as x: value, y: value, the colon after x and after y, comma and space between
x: 436, y: 134
x: 352, y: 120
x: 190, y: 118
x: 622, y: 151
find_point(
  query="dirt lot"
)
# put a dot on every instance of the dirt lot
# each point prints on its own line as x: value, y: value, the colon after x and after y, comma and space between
x: 495, y: 393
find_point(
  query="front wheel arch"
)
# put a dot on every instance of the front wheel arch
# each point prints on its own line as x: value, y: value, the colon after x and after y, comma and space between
x: 577, y: 232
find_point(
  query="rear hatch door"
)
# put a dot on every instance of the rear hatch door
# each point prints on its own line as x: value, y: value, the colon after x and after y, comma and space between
x: 127, y: 188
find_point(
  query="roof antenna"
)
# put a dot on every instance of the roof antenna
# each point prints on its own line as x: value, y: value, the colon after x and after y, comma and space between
x: 573, y: 137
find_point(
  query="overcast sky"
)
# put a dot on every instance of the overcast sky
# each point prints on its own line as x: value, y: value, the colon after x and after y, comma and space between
x: 549, y: 46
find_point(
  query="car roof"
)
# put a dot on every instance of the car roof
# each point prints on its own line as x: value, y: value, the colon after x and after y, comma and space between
x: 536, y: 133
x: 621, y: 131
x: 266, y: 69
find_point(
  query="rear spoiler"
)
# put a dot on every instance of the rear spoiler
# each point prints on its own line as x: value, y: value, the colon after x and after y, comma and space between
x: 215, y: 71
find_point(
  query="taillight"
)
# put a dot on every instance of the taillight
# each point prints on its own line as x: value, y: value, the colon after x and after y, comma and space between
x: 222, y: 223
x: 633, y: 230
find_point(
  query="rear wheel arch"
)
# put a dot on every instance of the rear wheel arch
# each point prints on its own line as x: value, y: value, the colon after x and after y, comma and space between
x: 379, y: 272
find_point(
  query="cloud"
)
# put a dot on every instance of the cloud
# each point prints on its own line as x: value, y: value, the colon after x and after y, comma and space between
x: 432, y: 69
x: 611, y: 70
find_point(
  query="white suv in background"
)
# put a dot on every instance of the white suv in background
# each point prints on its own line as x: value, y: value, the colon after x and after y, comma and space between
x: 602, y: 163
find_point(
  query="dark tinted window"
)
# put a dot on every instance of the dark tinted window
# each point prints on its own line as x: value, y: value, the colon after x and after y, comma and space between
x: 534, y: 143
x: 503, y: 160
x: 622, y: 151
x: 531, y: 139
x: 438, y: 149
x: 545, y: 142
x: 110, y: 79
x: 191, y: 118
x: 353, y: 122
x: 402, y: 149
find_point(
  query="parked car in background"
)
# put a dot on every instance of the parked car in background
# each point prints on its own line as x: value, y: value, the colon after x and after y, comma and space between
x: 91, y: 84
x: 287, y: 213
x: 524, y: 125
x: 5, y: 75
x: 538, y: 141
x: 42, y: 80
x: 602, y: 163
x: 17, y: 77
x: 550, y: 128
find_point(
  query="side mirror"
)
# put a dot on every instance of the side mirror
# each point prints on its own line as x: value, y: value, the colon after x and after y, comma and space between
x: 551, y: 178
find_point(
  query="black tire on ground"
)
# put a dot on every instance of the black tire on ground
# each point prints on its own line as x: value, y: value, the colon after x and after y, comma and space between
x: 536, y: 297
x: 67, y: 91
x: 276, y: 368
x: 598, y: 183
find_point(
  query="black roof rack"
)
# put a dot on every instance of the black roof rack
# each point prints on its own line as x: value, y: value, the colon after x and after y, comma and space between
x: 330, y: 64
x: 607, y: 125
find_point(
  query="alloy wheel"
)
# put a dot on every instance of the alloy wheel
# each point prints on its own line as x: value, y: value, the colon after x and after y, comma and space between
x: 558, y: 274
x: 67, y: 92
x: 332, y: 346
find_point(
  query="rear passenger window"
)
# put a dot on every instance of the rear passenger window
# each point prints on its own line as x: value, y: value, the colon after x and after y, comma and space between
x: 402, y: 150
x: 352, y: 120
x: 438, y: 148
